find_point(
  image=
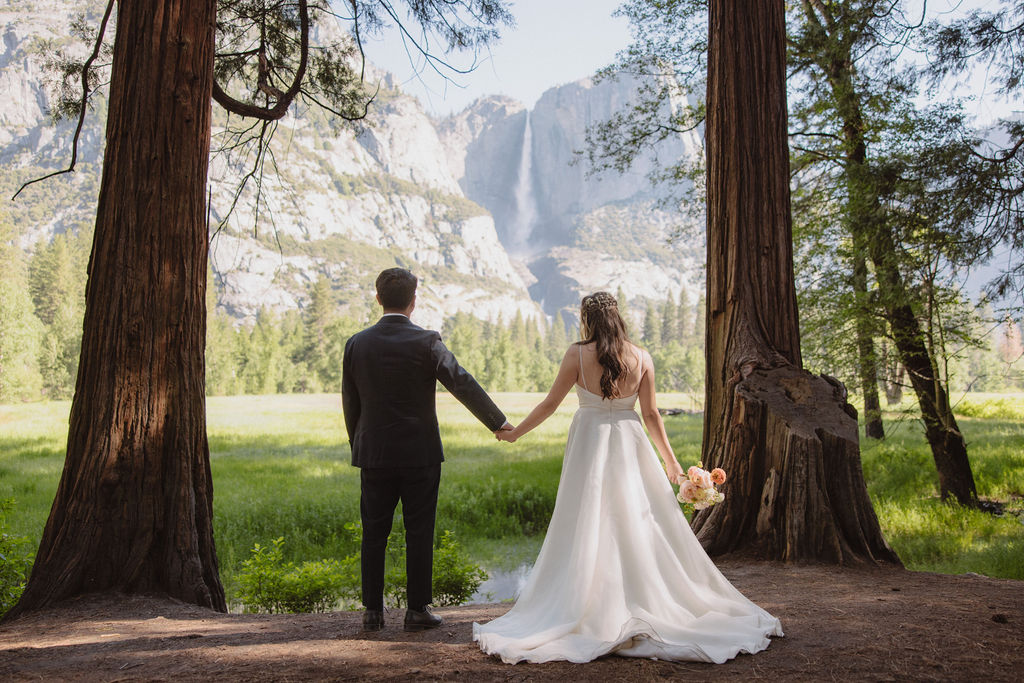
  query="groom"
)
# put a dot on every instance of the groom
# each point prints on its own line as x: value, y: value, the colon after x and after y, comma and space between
x: 389, y: 376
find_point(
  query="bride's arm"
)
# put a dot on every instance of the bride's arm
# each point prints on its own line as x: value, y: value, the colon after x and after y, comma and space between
x: 652, y: 420
x: 564, y: 380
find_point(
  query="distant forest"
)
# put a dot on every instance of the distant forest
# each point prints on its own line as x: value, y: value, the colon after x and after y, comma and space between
x: 301, y: 351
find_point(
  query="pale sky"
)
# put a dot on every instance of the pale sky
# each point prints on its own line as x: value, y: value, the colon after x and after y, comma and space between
x: 553, y: 42
x: 559, y: 41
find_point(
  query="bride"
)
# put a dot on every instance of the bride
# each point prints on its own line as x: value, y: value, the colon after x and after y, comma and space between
x: 620, y: 571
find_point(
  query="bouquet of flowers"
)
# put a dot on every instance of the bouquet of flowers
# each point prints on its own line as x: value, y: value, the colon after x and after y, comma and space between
x: 698, y: 487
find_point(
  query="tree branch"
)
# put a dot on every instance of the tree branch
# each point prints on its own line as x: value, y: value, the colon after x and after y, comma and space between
x: 85, y: 100
x: 281, y: 106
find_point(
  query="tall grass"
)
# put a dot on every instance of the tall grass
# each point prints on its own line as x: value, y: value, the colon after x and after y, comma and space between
x: 281, y: 468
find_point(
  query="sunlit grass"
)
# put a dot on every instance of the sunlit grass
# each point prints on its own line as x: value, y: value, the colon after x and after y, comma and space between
x: 281, y: 468
x: 931, y: 535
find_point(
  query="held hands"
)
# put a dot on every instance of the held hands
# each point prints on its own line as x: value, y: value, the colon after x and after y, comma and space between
x: 506, y: 433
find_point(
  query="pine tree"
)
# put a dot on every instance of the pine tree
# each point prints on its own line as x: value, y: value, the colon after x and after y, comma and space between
x: 669, y: 322
x: 56, y: 285
x: 652, y: 327
x: 318, y: 315
x: 684, y: 318
x: 20, y: 339
x: 558, y: 339
x: 20, y: 330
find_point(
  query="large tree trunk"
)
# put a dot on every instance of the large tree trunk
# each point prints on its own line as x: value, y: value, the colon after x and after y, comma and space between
x: 949, y: 450
x: 133, y: 511
x: 787, y: 438
x: 867, y: 361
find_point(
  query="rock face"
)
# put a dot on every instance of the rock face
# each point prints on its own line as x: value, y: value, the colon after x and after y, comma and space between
x: 577, y: 232
x: 484, y: 150
x: 337, y: 201
x: 485, y: 204
x: 347, y: 204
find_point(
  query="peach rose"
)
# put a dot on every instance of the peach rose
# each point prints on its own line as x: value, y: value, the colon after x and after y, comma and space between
x: 687, y: 492
x: 718, y: 475
x: 700, y: 477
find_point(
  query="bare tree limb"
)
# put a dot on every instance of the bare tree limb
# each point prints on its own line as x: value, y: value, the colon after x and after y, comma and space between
x: 85, y: 101
x: 275, y: 112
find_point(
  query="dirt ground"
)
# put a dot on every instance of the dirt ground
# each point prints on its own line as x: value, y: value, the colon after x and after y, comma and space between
x: 840, y: 624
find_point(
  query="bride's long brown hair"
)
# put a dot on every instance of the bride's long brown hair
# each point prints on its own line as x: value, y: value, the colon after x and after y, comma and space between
x: 601, y: 323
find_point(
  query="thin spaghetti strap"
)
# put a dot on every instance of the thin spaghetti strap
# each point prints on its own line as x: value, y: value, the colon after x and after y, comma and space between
x: 583, y: 378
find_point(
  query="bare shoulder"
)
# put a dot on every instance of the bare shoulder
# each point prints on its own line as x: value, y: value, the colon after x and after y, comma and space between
x: 579, y: 347
x: 641, y: 353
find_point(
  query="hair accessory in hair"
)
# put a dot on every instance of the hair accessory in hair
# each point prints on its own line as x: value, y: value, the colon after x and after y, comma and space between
x: 599, y: 301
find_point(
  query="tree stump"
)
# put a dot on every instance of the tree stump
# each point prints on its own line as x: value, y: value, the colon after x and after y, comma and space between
x: 796, y: 490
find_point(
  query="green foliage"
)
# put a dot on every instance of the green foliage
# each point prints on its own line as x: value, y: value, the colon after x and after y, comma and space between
x: 269, y: 584
x: 932, y: 535
x: 498, y: 509
x: 951, y: 539
x: 15, y: 561
x: 57, y: 284
x: 456, y: 577
x: 280, y: 468
x: 20, y: 331
x: 20, y: 344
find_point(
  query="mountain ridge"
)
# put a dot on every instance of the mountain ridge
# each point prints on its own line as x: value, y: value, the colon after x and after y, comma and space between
x: 439, y: 196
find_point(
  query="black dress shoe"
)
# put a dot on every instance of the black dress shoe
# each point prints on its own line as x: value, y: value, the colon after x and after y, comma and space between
x: 373, y: 620
x: 416, y: 620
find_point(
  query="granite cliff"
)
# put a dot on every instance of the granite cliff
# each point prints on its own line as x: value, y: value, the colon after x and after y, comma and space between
x: 485, y: 204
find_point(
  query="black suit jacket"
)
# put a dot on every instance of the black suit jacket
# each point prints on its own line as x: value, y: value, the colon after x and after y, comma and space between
x: 389, y: 377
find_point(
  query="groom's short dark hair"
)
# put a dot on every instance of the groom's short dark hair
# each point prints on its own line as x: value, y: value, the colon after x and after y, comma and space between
x: 396, y: 288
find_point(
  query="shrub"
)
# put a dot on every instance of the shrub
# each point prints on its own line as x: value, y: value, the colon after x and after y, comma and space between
x: 268, y: 584
x: 455, y: 577
x: 15, y: 562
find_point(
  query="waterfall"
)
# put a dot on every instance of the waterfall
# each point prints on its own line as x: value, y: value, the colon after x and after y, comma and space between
x: 526, y: 203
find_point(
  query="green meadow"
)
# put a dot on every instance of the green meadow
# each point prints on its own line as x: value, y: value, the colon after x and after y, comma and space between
x: 281, y: 468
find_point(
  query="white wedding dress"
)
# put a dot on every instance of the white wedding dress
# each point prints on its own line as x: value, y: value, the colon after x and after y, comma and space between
x: 620, y: 571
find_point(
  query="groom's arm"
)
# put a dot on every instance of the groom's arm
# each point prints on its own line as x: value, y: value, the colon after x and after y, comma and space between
x: 462, y: 386
x: 350, y: 404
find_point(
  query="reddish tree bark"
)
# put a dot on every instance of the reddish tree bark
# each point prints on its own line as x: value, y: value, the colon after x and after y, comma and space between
x: 787, y: 438
x: 133, y: 511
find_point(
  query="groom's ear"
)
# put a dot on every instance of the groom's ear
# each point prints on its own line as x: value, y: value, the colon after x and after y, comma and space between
x: 377, y: 297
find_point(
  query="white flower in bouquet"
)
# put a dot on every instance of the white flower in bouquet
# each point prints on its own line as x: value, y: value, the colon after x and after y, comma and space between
x: 697, y: 488
x: 687, y: 492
